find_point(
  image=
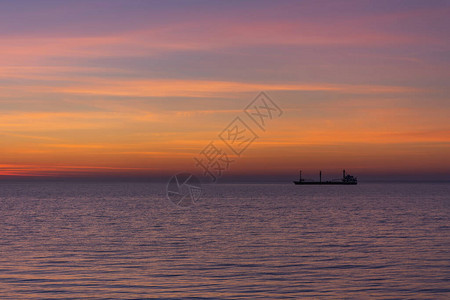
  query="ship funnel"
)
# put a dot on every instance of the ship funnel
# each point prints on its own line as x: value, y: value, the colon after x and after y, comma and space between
x: 343, y: 174
x: 320, y: 176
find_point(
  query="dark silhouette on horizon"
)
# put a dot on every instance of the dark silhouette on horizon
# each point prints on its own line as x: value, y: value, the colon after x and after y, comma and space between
x: 346, y: 179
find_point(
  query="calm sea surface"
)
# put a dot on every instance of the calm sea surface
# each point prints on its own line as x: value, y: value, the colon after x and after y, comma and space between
x: 252, y: 241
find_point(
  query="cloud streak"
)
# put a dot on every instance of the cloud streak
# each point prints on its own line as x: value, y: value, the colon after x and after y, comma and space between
x: 142, y: 87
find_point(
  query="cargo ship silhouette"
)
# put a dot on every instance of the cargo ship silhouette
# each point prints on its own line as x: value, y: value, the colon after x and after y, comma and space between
x: 346, y: 179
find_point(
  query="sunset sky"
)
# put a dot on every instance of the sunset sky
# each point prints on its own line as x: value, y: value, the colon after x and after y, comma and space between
x: 140, y: 88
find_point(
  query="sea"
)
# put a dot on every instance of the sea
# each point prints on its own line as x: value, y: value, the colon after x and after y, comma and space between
x: 126, y: 240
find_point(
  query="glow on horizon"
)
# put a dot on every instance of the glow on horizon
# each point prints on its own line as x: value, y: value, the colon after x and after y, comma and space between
x: 83, y: 93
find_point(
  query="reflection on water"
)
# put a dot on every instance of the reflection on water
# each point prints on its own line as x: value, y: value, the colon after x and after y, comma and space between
x: 122, y: 240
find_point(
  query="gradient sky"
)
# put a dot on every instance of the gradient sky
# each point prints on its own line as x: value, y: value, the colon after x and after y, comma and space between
x: 138, y: 88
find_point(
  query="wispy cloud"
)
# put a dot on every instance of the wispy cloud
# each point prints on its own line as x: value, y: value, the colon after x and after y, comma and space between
x: 149, y: 84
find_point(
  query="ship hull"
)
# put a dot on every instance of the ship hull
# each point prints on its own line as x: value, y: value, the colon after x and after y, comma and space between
x: 324, y: 183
